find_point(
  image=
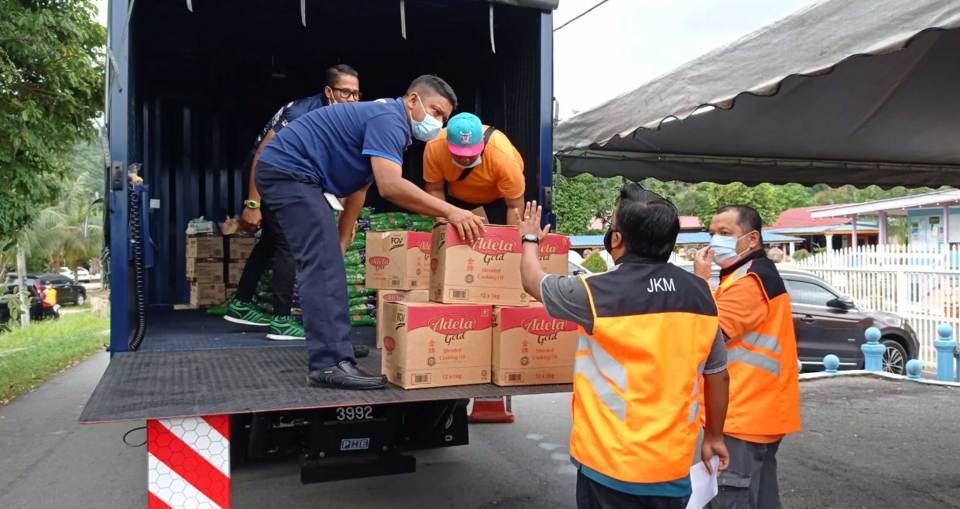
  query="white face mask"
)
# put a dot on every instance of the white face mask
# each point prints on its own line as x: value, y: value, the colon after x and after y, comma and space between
x: 725, y: 249
x: 476, y: 162
x: 426, y: 129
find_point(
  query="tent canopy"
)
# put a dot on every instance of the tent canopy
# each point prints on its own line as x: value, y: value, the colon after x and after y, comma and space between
x: 855, y: 92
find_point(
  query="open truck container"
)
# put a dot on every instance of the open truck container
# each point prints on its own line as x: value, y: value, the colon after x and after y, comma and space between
x: 190, y: 85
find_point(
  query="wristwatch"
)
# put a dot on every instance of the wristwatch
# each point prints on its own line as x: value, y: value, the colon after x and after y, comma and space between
x: 530, y: 237
x: 251, y: 204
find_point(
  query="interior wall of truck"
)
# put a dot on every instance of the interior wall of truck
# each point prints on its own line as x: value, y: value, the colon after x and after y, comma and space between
x: 204, y: 83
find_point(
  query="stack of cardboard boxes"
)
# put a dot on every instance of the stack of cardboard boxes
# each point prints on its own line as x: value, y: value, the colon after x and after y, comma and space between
x: 214, y: 265
x: 205, y: 269
x: 480, y: 325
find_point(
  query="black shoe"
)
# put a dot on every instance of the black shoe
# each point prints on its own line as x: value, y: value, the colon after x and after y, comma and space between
x: 360, y: 351
x: 345, y: 375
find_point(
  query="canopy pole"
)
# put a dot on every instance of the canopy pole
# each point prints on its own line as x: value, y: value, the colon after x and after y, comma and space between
x: 853, y: 233
x: 946, y: 227
x: 884, y: 229
x: 303, y: 12
x: 189, y: 5
x: 403, y: 19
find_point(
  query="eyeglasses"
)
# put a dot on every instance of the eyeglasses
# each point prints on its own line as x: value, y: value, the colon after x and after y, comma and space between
x: 347, y: 93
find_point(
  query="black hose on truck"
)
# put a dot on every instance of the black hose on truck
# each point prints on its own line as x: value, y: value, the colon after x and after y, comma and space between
x: 136, y: 244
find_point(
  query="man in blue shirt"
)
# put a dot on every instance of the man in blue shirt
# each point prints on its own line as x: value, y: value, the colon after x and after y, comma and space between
x: 342, y: 85
x: 337, y: 152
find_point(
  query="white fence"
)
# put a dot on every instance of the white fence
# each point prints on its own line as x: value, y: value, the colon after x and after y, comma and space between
x: 921, y: 283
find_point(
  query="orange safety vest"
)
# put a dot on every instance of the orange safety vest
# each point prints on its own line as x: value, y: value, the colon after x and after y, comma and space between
x: 49, y: 297
x: 764, y: 384
x: 637, y: 373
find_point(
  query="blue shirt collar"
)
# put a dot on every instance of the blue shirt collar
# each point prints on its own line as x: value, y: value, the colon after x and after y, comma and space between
x: 406, y: 121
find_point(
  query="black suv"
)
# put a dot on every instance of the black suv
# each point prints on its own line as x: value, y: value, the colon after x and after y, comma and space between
x: 68, y: 290
x: 828, y: 322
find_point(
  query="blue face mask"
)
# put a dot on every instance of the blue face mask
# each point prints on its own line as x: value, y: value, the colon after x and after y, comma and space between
x: 725, y: 250
x: 426, y: 129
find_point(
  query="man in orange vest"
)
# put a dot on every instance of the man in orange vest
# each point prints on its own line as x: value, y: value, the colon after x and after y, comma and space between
x: 649, y: 334
x: 757, y: 324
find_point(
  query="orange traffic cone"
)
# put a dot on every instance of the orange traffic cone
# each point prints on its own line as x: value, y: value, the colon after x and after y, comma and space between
x: 491, y: 410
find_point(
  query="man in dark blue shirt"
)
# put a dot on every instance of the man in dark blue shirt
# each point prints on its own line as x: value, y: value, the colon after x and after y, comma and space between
x: 342, y: 85
x: 337, y: 152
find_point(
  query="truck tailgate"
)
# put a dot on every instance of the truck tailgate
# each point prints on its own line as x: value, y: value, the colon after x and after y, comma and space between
x: 158, y: 385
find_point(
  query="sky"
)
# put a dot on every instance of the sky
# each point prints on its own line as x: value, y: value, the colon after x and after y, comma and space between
x: 625, y: 43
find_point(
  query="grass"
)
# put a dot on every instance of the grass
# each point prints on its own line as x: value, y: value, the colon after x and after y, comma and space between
x: 31, y: 355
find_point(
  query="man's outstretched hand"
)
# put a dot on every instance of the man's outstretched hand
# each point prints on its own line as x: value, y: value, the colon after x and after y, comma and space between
x: 528, y: 223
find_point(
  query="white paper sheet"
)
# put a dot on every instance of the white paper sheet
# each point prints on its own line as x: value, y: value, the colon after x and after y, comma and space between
x: 704, y: 484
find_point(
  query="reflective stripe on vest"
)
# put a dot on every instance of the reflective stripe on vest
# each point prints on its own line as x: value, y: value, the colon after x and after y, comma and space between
x: 757, y: 360
x: 600, y: 369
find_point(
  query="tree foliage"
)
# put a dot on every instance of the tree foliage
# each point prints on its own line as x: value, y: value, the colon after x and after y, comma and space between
x: 51, y: 89
x: 70, y: 232
x: 578, y: 200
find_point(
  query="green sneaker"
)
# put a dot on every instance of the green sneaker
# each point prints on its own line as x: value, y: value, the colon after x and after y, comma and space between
x: 245, y: 313
x: 285, y: 328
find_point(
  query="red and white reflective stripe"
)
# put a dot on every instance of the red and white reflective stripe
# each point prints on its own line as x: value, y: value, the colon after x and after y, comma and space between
x: 189, y: 463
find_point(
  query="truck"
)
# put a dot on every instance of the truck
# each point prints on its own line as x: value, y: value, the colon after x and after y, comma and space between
x: 189, y: 86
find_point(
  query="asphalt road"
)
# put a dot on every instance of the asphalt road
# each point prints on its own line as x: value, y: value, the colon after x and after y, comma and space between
x: 867, y: 443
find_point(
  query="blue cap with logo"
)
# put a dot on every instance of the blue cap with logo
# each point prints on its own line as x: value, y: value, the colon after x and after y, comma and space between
x: 465, y: 135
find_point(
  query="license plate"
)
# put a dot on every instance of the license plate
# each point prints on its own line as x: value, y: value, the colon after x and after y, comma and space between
x: 354, y: 444
x: 354, y: 413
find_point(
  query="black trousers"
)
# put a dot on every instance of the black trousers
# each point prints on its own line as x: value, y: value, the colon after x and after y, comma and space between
x: 593, y: 495
x: 308, y: 230
x: 270, y: 250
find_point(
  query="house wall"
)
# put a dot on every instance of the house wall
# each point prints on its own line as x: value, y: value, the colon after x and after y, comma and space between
x: 925, y: 226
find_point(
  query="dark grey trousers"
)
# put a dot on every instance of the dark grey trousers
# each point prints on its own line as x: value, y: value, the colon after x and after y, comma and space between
x: 751, y: 480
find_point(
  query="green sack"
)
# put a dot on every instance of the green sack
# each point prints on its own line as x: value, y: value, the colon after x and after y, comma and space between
x: 358, y: 290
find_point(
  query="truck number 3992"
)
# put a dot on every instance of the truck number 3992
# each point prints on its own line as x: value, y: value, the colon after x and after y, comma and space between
x: 355, y: 413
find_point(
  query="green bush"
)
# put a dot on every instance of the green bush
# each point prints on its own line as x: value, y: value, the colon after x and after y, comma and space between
x: 801, y: 254
x: 594, y: 263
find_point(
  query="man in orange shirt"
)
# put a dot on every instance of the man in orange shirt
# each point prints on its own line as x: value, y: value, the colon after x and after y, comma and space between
x: 757, y: 325
x: 471, y: 165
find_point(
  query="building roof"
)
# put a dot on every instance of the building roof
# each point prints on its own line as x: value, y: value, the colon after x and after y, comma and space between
x: 683, y: 239
x: 892, y: 206
x: 801, y: 218
x: 863, y: 227
x: 690, y: 223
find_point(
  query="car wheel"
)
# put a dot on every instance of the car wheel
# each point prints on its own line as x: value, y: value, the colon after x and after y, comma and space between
x: 81, y: 299
x: 894, y: 357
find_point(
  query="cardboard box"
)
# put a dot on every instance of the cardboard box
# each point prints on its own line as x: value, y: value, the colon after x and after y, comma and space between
x: 398, y: 260
x: 385, y: 296
x: 207, y: 294
x: 435, y: 345
x: 239, y: 247
x: 205, y: 270
x: 204, y: 246
x: 234, y: 272
x: 532, y: 348
x: 554, y: 252
x: 486, y: 272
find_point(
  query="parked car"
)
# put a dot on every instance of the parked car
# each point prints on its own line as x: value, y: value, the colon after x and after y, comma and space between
x: 82, y: 275
x: 38, y: 311
x: 69, y: 291
x: 828, y: 322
